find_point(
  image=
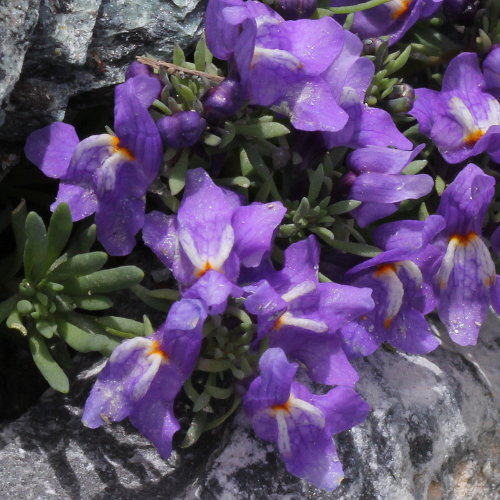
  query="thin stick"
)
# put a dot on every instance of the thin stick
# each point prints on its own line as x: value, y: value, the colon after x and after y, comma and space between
x: 173, y: 68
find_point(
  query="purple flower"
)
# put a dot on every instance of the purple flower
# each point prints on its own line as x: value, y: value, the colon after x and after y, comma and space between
x: 310, y: 70
x: 302, y: 316
x: 379, y: 183
x: 400, y: 304
x: 463, y: 119
x: 349, y: 77
x: 210, y: 237
x: 299, y: 422
x: 222, y: 101
x: 144, y: 375
x: 456, y: 261
x: 106, y: 174
x: 393, y: 18
x: 491, y: 71
x: 181, y: 130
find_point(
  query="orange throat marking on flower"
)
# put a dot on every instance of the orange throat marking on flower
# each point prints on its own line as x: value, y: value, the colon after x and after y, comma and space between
x: 463, y: 239
x: 121, y: 150
x: 156, y: 349
x: 388, y: 322
x: 384, y: 269
x: 283, y: 407
x: 278, y: 323
x: 403, y: 7
x: 473, y: 137
x: 207, y: 267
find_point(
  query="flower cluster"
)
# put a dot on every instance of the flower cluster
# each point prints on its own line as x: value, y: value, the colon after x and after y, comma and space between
x: 302, y: 141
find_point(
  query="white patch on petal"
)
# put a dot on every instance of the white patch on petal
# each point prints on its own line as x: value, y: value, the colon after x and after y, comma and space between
x: 413, y: 271
x: 474, y: 129
x: 299, y: 290
x: 386, y: 273
x: 107, y: 172
x: 306, y: 323
x: 398, y: 7
x: 225, y: 246
x: 189, y: 247
x: 315, y: 414
x: 280, y: 57
x: 283, y: 437
x: 142, y: 385
x: 125, y: 349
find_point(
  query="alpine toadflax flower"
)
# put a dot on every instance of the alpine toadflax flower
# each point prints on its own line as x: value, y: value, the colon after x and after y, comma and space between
x: 106, y: 174
x: 211, y: 236
x: 463, y: 120
x: 144, y: 375
x: 392, y: 19
x: 299, y: 422
x: 302, y: 316
x: 378, y: 181
x: 455, y: 260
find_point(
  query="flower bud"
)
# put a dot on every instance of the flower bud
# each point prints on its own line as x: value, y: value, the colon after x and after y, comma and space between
x: 222, y: 101
x: 371, y: 45
x: 182, y: 129
x: 401, y: 99
x: 295, y: 9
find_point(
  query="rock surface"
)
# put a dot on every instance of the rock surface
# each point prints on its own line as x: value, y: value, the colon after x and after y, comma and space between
x: 78, y: 46
x: 430, y: 435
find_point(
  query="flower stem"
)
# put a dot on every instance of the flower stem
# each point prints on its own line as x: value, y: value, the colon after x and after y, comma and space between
x: 348, y: 9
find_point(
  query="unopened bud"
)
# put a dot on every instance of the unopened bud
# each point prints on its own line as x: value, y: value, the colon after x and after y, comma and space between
x: 181, y: 130
x: 371, y: 45
x: 401, y: 99
x: 222, y: 101
x: 295, y: 9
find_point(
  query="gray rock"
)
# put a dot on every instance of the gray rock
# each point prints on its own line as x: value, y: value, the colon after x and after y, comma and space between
x: 83, y: 45
x: 17, y: 20
x: 430, y: 435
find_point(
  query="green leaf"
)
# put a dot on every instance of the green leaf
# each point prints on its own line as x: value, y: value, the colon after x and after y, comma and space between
x: 154, y: 302
x: 93, y: 303
x: 15, y: 322
x: 108, y: 280
x: 148, y: 327
x: 218, y: 421
x: 195, y: 430
x: 414, y: 167
x: 177, y: 175
x: 440, y: 185
x: 178, y: 56
x: 361, y: 249
x: 219, y: 392
x: 315, y: 183
x: 130, y: 326
x: 35, y: 249
x: 6, y: 307
x: 262, y: 130
x: 82, y: 340
x: 79, y: 265
x: 399, y: 62
x: 213, y: 365
x: 228, y: 134
x: 46, y: 328
x: 200, y: 54
x: 58, y: 233
x: 342, y: 207
x: 47, y: 365
x: 201, y: 402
